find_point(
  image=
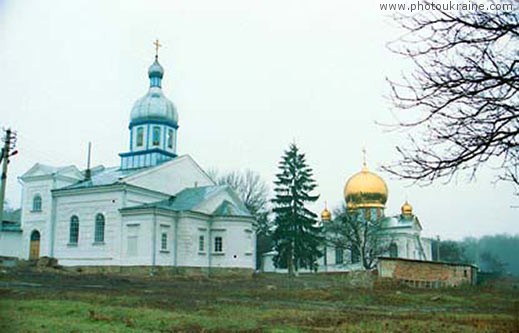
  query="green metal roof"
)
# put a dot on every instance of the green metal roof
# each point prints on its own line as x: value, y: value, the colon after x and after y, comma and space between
x: 190, y: 198
x: 106, y: 176
x: 229, y: 209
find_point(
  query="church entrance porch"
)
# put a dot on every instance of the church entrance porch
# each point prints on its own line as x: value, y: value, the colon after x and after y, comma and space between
x: 34, y: 249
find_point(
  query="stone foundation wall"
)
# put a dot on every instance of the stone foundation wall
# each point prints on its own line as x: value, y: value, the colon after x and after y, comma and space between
x: 164, y: 271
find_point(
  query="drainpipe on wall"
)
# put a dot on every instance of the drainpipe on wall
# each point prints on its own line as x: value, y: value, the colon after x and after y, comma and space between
x: 53, y: 217
x: 53, y: 224
x: 121, y: 231
x: 175, y: 242
x: 209, y: 246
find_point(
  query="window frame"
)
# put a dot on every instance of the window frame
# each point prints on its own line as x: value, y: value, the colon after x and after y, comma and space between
x: 218, y: 244
x: 139, y: 140
x: 169, y: 138
x: 164, y: 241
x: 155, y: 136
x: 339, y: 259
x: 99, y: 228
x: 201, y: 243
x: 73, y: 236
x: 37, y: 199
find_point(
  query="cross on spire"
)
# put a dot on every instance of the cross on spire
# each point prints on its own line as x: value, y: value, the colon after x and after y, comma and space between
x: 157, y: 45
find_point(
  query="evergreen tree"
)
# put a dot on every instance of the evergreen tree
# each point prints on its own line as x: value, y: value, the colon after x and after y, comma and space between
x: 297, y: 235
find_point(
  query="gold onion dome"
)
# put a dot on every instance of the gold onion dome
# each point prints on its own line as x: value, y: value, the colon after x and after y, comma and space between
x: 365, y: 189
x: 407, y: 209
x: 326, y: 215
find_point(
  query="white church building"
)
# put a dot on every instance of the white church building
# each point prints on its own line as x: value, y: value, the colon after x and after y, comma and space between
x: 154, y: 209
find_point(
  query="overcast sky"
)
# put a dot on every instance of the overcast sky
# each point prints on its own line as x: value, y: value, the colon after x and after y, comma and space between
x: 247, y: 77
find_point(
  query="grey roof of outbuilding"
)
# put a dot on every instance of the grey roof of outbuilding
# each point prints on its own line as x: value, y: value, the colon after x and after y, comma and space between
x: 190, y: 198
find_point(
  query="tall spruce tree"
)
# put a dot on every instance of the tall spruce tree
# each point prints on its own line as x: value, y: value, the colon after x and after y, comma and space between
x: 297, y: 236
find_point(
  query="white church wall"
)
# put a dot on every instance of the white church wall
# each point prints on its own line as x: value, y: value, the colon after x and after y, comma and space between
x: 36, y: 220
x: 86, y: 206
x: 165, y: 226
x: 190, y: 228
x: 427, y: 247
x: 137, y: 240
x: 238, y: 242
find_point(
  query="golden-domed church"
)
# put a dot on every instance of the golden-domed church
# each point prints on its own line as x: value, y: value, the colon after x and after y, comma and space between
x: 366, y: 194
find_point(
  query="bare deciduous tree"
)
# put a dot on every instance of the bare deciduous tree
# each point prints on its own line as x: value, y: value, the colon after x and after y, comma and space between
x: 249, y: 186
x: 460, y: 105
x: 364, y: 238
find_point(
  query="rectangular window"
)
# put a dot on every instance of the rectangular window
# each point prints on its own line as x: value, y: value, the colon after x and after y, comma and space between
x: 218, y: 244
x: 339, y: 256
x: 164, y: 241
x: 156, y: 136
x: 140, y: 136
x: 201, y: 244
x: 170, y: 138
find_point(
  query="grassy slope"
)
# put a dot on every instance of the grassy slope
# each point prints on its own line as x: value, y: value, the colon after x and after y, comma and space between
x: 266, y: 304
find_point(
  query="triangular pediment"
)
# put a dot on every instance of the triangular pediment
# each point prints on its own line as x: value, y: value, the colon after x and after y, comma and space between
x: 42, y: 170
x: 224, y: 202
x: 171, y: 177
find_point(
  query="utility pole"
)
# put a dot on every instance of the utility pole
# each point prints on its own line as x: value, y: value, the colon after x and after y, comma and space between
x: 9, y: 144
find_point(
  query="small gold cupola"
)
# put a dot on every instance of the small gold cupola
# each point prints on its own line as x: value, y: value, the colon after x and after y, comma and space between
x: 326, y: 216
x: 407, y: 209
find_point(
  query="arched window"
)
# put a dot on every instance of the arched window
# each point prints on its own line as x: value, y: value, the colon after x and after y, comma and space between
x: 170, y: 138
x: 99, y: 232
x: 74, y: 230
x: 393, y: 250
x: 156, y: 136
x: 140, y: 136
x: 36, y: 203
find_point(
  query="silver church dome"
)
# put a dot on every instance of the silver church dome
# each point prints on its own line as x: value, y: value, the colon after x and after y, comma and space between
x: 154, y: 106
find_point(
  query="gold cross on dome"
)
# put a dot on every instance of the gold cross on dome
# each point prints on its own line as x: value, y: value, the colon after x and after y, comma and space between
x: 157, y: 45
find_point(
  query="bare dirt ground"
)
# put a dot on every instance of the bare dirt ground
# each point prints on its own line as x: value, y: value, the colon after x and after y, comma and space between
x: 354, y: 302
